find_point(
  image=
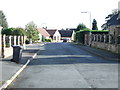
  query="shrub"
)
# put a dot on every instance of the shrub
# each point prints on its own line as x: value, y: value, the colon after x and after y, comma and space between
x: 80, y: 36
x: 47, y: 40
x: 7, y: 45
x: 81, y: 26
x: 19, y: 32
x: 99, y: 31
x: 8, y: 31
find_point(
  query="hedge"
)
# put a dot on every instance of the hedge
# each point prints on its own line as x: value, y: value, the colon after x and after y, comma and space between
x: 14, y: 31
x: 99, y: 31
x: 80, y: 35
x: 8, y: 31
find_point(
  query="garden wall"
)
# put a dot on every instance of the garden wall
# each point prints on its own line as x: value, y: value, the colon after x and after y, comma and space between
x: 115, y: 48
x: 106, y: 42
x: 8, y: 42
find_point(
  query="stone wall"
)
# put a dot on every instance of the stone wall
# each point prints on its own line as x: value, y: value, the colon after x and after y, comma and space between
x: 8, y: 42
x: 105, y: 41
x: 115, y: 48
x: 0, y: 43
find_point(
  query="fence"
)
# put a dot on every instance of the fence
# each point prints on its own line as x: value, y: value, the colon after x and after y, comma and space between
x: 104, y: 41
x: 8, y: 41
x: 0, y: 43
x: 106, y: 38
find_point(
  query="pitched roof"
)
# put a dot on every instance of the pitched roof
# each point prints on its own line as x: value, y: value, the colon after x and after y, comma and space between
x: 51, y: 31
x: 43, y: 32
x: 66, y: 33
x: 73, y: 29
x: 115, y: 20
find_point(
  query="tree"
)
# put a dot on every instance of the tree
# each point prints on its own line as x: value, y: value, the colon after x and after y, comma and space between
x: 19, y: 32
x: 3, y: 21
x: 32, y: 32
x: 80, y: 27
x: 94, y: 25
x: 8, y: 31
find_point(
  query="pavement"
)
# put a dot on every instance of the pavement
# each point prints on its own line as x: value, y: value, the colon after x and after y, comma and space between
x: 10, y: 70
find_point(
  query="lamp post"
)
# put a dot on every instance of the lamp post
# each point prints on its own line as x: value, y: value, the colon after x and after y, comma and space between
x: 90, y: 17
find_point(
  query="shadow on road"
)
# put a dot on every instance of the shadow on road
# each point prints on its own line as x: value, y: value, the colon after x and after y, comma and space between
x: 65, y: 53
x: 63, y: 59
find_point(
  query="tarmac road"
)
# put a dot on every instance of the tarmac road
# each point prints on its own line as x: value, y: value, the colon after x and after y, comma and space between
x: 64, y: 65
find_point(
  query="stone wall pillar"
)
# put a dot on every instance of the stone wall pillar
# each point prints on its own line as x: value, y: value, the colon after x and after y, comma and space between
x: 110, y: 39
x: 10, y: 41
x: 21, y: 39
x: 100, y: 37
x: 104, y: 38
x: 94, y: 36
x: 3, y: 46
x: 0, y: 43
x: 14, y: 40
x: 24, y: 39
x: 18, y: 40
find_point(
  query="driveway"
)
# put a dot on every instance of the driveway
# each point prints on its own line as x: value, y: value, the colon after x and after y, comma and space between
x: 64, y: 65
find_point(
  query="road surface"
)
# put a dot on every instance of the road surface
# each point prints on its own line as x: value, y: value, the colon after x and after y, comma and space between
x: 64, y: 65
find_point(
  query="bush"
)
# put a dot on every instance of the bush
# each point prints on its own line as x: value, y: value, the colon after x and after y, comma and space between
x: 80, y: 27
x: 14, y: 31
x: 7, y: 45
x: 99, y: 31
x: 47, y: 40
x: 19, y: 32
x: 80, y: 35
x: 8, y: 31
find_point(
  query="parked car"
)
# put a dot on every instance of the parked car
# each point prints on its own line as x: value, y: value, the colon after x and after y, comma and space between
x: 64, y: 40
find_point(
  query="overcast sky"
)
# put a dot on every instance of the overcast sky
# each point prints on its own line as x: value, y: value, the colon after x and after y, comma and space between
x: 56, y: 13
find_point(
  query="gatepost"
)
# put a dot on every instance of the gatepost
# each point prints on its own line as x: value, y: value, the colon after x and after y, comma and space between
x: 0, y: 43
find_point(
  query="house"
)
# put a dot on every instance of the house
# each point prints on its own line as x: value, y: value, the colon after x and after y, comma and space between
x: 114, y: 27
x: 54, y: 35
x: 114, y: 23
x: 43, y: 33
x: 67, y: 34
x: 73, y: 29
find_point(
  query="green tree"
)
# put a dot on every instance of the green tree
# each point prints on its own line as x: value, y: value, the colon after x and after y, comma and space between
x: 3, y: 21
x: 80, y: 27
x: 19, y: 32
x: 94, y: 25
x: 8, y: 31
x: 32, y: 32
